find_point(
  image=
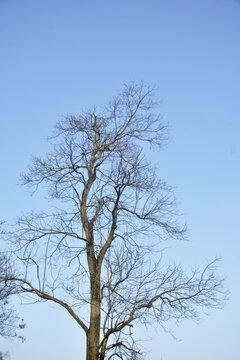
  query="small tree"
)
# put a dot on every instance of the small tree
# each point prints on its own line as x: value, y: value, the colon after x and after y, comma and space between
x: 8, y: 316
x: 9, y: 320
x: 98, y: 255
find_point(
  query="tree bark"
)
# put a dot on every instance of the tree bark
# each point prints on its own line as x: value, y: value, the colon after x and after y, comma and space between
x: 93, y: 334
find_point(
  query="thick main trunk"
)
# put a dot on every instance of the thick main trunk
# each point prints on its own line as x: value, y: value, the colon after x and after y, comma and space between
x: 93, y: 334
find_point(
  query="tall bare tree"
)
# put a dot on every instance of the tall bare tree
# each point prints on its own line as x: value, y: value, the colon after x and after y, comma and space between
x: 99, y: 255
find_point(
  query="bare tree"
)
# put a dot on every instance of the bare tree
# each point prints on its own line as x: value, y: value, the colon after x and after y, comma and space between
x: 7, y: 314
x: 9, y: 320
x: 99, y: 255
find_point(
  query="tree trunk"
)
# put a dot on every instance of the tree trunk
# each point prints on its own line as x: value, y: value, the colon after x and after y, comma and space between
x: 93, y: 334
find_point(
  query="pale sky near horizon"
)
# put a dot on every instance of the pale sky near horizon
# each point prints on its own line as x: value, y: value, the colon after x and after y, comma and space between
x: 59, y: 57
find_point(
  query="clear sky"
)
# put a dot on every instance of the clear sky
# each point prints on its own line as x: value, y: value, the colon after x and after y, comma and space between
x: 59, y: 57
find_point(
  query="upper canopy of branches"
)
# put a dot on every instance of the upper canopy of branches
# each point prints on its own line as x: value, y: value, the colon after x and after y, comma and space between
x: 101, y: 151
x: 112, y: 134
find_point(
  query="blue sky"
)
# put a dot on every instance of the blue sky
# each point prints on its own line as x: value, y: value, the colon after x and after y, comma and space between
x: 59, y: 57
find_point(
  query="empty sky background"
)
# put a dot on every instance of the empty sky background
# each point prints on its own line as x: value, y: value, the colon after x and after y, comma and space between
x: 59, y: 57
